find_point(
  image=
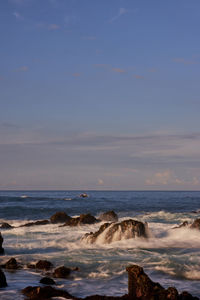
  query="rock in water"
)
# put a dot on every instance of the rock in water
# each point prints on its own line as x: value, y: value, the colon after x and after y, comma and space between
x: 6, y: 226
x: 109, y: 216
x: 3, y: 282
x: 60, y: 217
x: 62, y: 272
x: 36, y: 223
x: 82, y: 220
x: 43, y: 265
x: 196, y: 224
x: 11, y: 264
x: 111, y: 232
x: 43, y: 293
x: 1, y: 242
x: 47, y: 281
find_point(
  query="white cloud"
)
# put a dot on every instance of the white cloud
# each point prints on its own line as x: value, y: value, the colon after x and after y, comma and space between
x: 122, y: 11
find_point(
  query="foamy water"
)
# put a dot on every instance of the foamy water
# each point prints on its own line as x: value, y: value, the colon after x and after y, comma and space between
x: 170, y: 256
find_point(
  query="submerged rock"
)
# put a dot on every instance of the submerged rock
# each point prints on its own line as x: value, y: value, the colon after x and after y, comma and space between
x: 47, y: 280
x: 196, y: 224
x: 1, y: 242
x: 40, y: 222
x: 110, y: 232
x: 11, y: 264
x: 44, y: 293
x: 61, y: 272
x: 109, y: 216
x: 60, y: 217
x: 3, y: 282
x: 6, y: 226
x: 82, y: 220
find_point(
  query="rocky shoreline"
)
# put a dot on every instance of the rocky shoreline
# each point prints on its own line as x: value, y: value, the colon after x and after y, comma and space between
x: 140, y: 286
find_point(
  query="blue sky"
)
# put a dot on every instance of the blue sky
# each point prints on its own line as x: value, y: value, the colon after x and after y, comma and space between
x: 100, y: 94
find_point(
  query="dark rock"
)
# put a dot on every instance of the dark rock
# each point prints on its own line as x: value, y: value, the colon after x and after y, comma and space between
x: 186, y: 296
x: 59, y: 217
x: 47, y: 280
x: 43, y: 265
x: 99, y: 297
x: 40, y: 222
x: 126, y: 229
x: 31, y: 266
x: 172, y: 293
x: 11, y: 264
x: 184, y: 224
x: 84, y: 195
x: 61, y: 272
x: 5, y: 226
x: 109, y: 216
x: 44, y: 293
x: 196, y: 224
x: 1, y: 242
x: 141, y: 287
x: 3, y: 282
x: 82, y: 220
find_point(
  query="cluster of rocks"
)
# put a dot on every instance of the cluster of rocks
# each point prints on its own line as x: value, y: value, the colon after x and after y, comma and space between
x: 62, y: 217
x: 140, y: 287
x: 194, y: 225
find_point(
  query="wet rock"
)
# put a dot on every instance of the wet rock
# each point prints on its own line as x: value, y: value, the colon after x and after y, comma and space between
x: 59, y: 217
x: 3, y: 282
x: 1, y: 242
x: 82, y: 220
x: 11, y: 264
x: 99, y: 297
x: 44, y: 293
x: 184, y: 224
x: 140, y: 286
x: 40, y: 222
x: 186, y: 296
x: 61, y: 272
x: 47, y: 280
x: 109, y: 216
x: 126, y: 229
x: 196, y: 224
x: 6, y: 226
x: 41, y: 264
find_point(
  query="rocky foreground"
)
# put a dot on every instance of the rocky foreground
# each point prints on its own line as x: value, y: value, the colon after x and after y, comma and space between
x: 140, y: 287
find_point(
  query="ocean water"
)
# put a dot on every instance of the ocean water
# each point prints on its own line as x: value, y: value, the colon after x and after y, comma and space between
x: 169, y: 256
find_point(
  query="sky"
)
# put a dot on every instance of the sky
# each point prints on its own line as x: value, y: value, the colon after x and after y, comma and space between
x: 100, y: 94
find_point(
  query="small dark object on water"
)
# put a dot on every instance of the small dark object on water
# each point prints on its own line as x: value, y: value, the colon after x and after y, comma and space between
x: 62, y: 272
x: 47, y: 280
x: 83, y: 195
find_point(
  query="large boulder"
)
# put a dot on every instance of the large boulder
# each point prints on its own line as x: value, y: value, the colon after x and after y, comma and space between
x: 60, y: 217
x: 44, y: 293
x: 36, y: 223
x: 61, y: 272
x: 196, y: 224
x: 110, y: 232
x: 109, y: 216
x: 3, y: 282
x: 1, y: 242
x: 82, y: 220
x: 141, y: 287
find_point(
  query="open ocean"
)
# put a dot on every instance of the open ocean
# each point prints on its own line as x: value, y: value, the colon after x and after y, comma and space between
x: 170, y: 256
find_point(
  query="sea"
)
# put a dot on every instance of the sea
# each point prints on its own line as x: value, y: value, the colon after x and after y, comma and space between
x: 169, y: 256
